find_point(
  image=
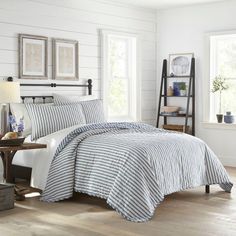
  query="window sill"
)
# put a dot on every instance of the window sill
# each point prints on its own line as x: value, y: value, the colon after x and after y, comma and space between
x: 212, y: 125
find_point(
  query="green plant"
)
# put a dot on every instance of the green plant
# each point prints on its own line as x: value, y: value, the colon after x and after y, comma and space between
x: 219, y: 85
x: 182, y: 86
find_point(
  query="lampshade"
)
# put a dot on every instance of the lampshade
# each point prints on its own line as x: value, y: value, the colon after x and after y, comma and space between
x: 9, y: 92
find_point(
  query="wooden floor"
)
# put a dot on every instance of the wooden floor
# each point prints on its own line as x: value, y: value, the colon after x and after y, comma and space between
x: 188, y: 213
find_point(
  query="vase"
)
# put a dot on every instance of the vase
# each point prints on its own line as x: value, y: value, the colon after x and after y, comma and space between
x: 182, y: 92
x: 228, y: 118
x: 219, y: 118
x: 170, y: 91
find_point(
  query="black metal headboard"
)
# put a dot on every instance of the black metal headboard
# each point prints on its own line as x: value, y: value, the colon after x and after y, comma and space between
x: 53, y: 85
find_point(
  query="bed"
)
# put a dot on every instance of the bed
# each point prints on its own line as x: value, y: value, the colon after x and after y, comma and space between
x: 133, y: 166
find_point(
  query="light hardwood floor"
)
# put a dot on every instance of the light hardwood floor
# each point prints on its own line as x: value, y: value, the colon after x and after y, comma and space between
x: 188, y: 213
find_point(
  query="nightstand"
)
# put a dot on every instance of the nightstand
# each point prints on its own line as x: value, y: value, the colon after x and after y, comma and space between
x: 8, y: 153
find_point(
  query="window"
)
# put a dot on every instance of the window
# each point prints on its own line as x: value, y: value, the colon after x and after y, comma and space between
x: 119, y: 77
x: 223, y: 63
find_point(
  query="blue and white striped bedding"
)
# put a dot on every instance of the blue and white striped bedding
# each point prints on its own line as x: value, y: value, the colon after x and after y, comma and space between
x: 131, y: 165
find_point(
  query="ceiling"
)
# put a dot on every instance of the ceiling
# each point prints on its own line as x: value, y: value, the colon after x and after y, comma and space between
x: 162, y: 4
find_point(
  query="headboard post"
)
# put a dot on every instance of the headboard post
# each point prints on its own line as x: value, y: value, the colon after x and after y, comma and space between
x: 90, y: 86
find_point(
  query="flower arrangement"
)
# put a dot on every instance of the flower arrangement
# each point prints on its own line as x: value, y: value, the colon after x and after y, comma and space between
x: 16, y: 126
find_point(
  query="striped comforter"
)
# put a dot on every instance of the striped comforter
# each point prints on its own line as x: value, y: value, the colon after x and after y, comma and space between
x: 131, y: 165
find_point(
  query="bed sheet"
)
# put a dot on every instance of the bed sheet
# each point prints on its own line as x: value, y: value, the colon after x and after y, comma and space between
x: 40, y: 159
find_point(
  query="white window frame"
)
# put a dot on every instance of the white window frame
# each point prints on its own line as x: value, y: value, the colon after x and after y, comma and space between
x: 209, y: 102
x: 134, y: 112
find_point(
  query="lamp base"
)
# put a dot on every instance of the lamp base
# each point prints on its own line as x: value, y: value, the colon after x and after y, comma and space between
x: 4, y: 119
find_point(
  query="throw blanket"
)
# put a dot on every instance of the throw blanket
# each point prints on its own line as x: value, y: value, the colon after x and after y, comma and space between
x: 131, y: 165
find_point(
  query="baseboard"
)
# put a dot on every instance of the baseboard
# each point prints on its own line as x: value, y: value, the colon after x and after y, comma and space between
x: 228, y: 160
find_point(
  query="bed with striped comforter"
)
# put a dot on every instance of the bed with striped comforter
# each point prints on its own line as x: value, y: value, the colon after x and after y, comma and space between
x: 131, y: 165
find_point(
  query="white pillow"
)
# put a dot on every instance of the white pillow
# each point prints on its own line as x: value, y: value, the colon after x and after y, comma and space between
x: 18, y: 110
x: 66, y: 99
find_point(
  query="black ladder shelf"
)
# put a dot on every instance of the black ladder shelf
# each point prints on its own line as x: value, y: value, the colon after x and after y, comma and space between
x: 190, y: 95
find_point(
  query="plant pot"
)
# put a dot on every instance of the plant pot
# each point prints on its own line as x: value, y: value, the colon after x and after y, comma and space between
x: 182, y: 92
x: 228, y: 118
x: 219, y: 118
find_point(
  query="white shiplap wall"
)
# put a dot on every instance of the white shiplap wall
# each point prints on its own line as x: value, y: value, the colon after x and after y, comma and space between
x: 79, y: 20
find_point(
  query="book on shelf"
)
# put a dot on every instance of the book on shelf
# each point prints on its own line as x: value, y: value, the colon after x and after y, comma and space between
x: 169, y: 113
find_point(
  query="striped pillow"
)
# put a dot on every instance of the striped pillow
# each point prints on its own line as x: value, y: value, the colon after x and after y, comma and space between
x: 59, y: 99
x: 93, y: 111
x: 49, y: 119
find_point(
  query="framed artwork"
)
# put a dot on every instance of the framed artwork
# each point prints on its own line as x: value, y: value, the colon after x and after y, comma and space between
x: 180, y: 64
x: 65, y: 59
x: 33, y: 57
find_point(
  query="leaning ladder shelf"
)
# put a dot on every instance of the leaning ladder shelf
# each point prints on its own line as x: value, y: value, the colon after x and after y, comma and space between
x: 163, y: 98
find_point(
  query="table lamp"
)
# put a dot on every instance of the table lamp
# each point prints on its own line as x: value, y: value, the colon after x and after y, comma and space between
x: 9, y: 93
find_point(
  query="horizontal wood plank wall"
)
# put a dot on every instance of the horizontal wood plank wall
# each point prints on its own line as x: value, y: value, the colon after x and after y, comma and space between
x: 79, y: 20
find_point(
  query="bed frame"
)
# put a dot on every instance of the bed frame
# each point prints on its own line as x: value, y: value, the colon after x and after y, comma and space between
x: 21, y: 172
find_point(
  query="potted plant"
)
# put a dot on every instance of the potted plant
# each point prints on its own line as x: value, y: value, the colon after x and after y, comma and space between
x: 219, y: 85
x: 182, y: 89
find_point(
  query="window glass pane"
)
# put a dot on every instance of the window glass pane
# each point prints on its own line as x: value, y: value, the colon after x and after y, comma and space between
x: 118, y: 57
x: 226, y: 57
x: 118, y: 100
x: 229, y: 98
x: 223, y: 63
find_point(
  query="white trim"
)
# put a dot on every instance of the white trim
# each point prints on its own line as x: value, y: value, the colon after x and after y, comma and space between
x: 104, y: 69
x: 229, y: 161
x: 224, y: 126
x: 207, y: 75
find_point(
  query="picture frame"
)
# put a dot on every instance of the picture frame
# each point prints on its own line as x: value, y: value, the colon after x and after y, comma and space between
x: 65, y: 59
x: 33, y: 56
x: 180, y: 64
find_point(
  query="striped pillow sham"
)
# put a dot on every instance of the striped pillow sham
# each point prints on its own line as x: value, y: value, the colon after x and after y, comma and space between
x: 93, y: 109
x: 49, y: 119
x: 59, y: 99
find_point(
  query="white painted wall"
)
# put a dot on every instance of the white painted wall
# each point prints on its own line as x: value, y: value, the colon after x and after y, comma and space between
x: 183, y: 30
x: 79, y: 20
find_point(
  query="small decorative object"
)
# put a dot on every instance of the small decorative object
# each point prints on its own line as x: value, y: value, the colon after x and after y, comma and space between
x: 65, y: 59
x: 182, y: 112
x: 219, y: 85
x: 11, y: 139
x: 180, y: 64
x: 182, y: 89
x: 228, y: 118
x: 170, y: 110
x: 172, y: 75
x: 9, y: 93
x: 11, y: 142
x: 10, y: 135
x: 170, y: 91
x: 33, y: 57
x: 177, y: 87
x: 17, y: 126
